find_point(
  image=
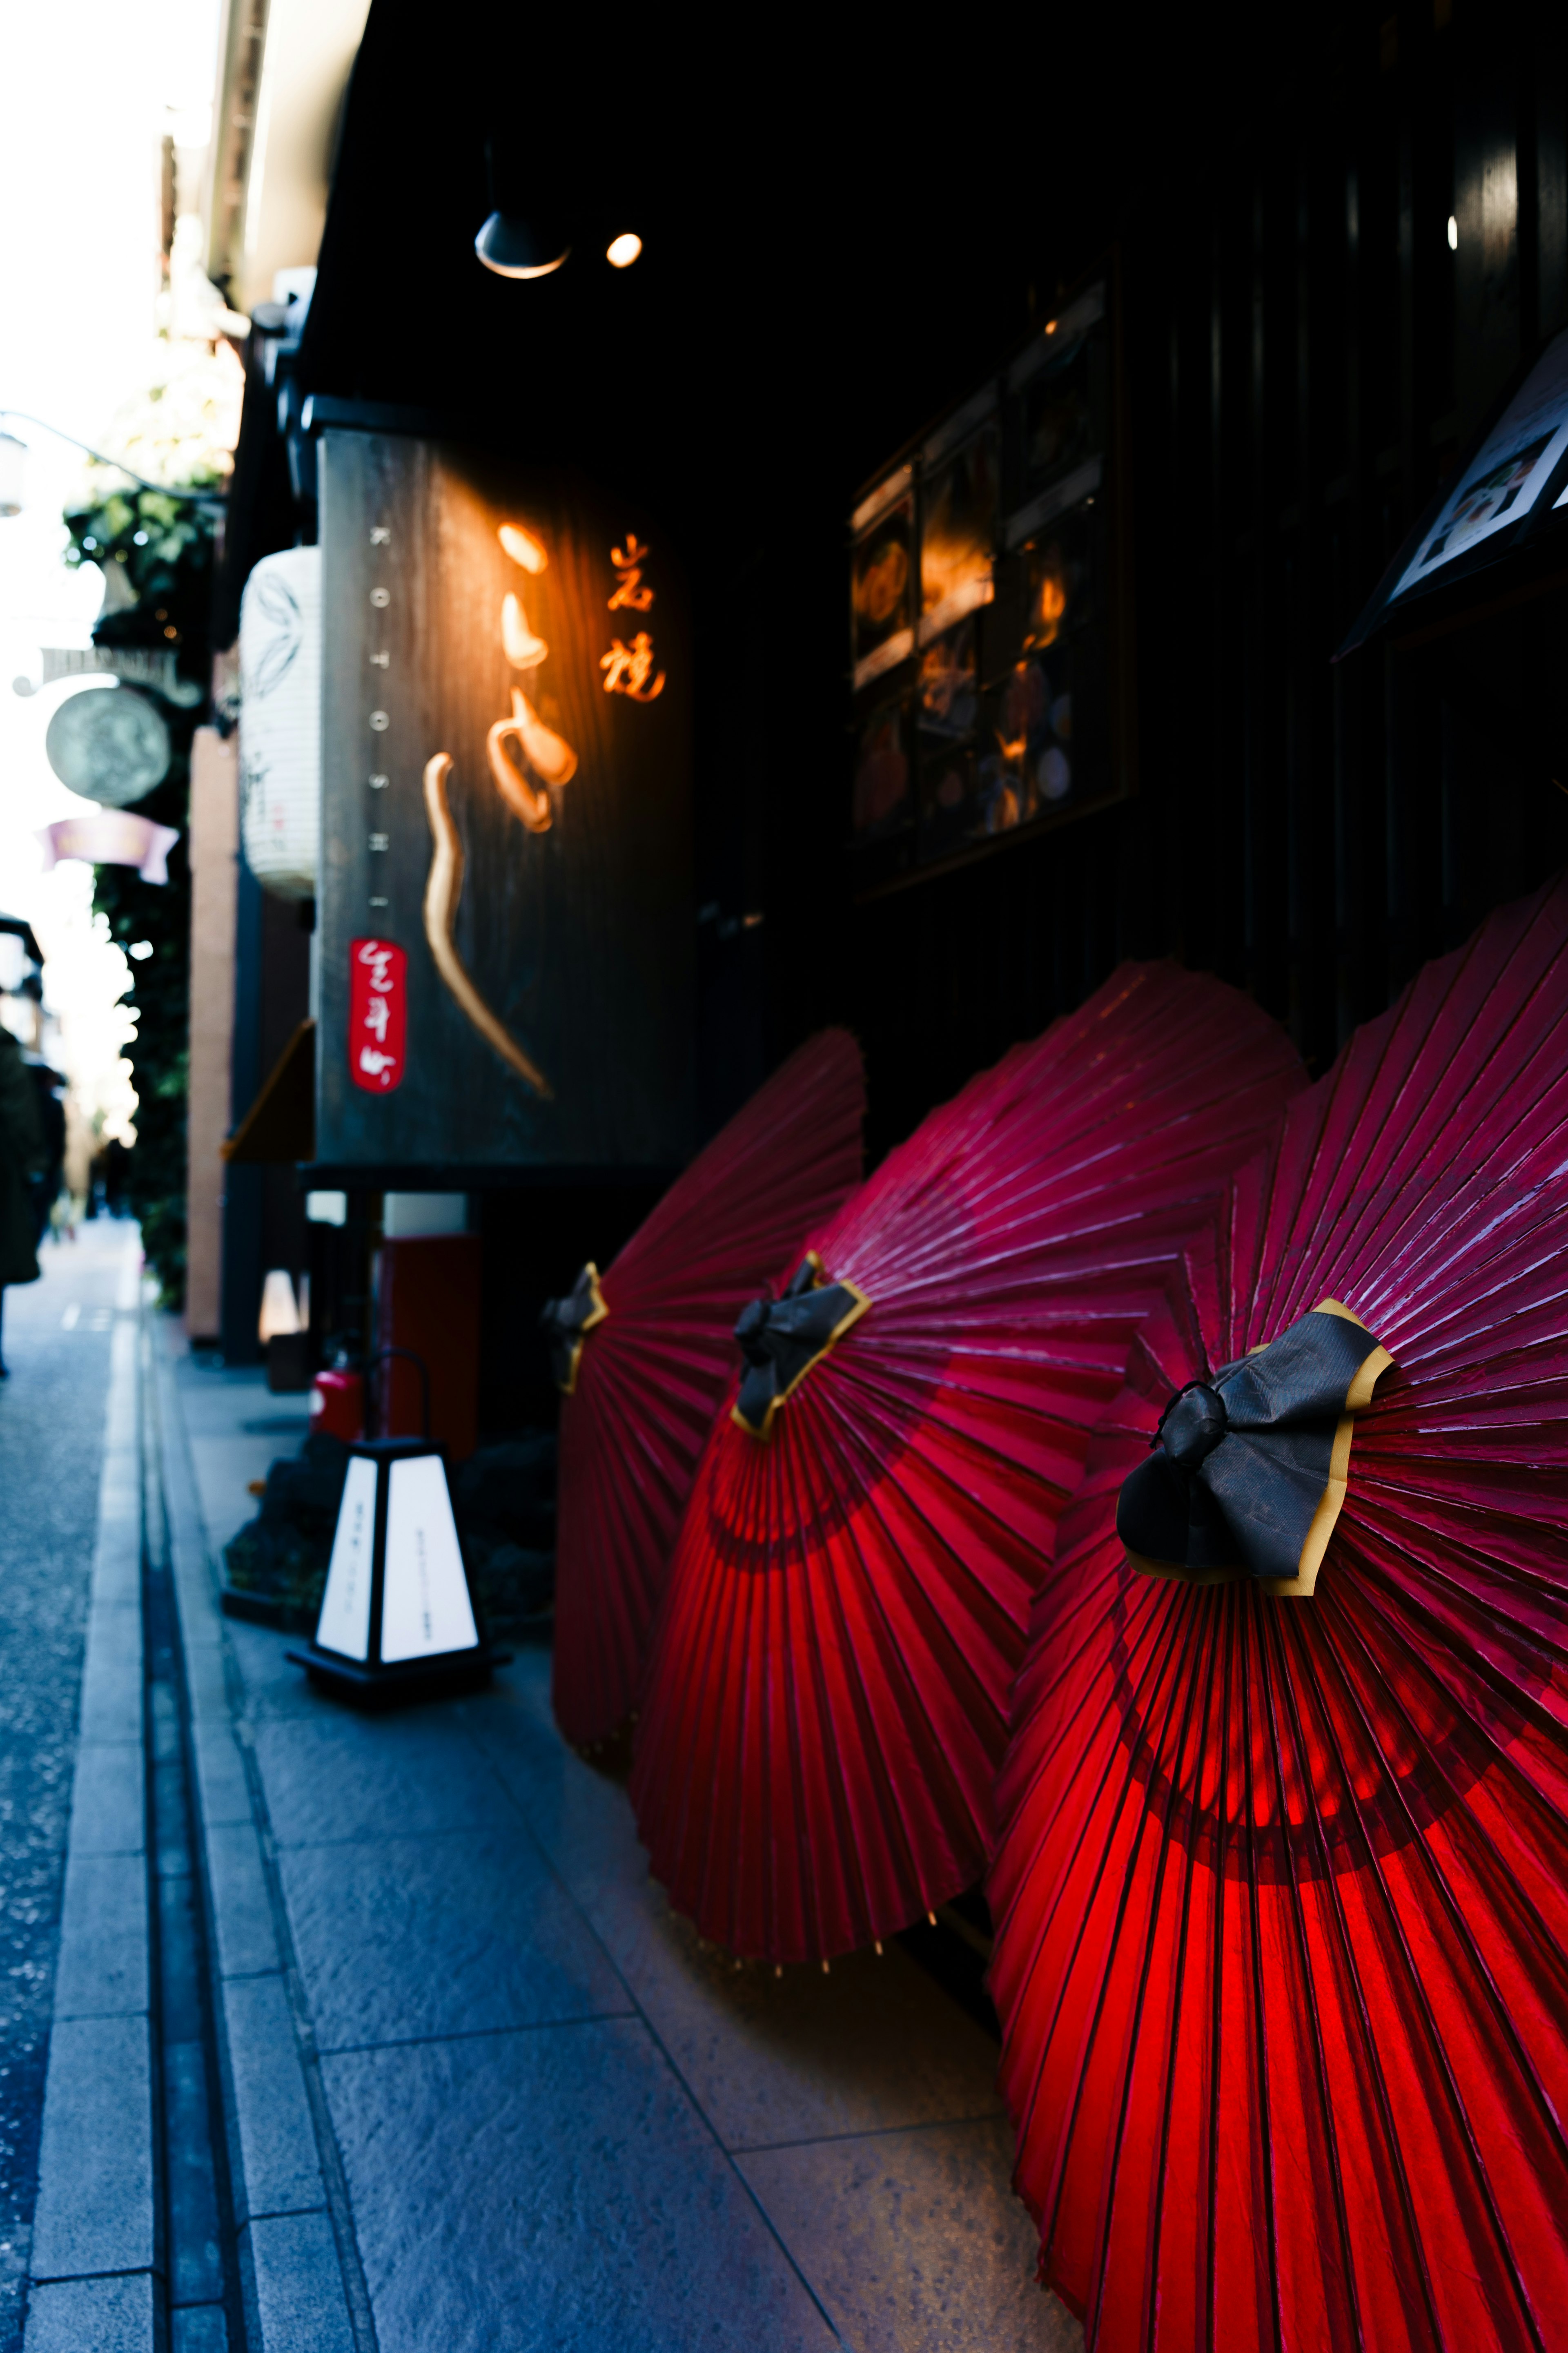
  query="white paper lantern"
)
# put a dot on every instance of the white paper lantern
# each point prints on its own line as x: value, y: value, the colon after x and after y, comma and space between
x: 280, y: 720
x: 397, y: 1617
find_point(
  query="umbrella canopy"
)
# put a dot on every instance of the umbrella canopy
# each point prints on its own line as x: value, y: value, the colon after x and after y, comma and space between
x: 1281, y: 1891
x: 644, y: 1352
x: 826, y: 1703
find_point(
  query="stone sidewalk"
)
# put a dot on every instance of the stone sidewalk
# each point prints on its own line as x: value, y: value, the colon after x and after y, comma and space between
x: 484, y: 2090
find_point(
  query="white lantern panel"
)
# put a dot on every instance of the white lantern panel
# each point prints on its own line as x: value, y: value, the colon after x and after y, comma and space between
x: 344, y: 1622
x: 280, y: 720
x: 426, y: 1609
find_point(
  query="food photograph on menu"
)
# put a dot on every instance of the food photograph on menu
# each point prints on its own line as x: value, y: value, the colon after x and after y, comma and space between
x: 882, y: 800
x: 958, y: 532
x: 1055, y: 405
x: 1056, y: 570
x: 882, y: 584
x: 947, y: 699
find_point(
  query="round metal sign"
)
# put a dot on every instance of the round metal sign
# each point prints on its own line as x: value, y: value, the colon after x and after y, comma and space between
x: 110, y: 743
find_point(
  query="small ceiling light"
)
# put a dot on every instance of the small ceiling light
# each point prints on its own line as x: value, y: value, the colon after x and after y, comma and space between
x: 140, y: 949
x: 1452, y: 234
x: 13, y: 458
x: 623, y: 251
x: 515, y: 248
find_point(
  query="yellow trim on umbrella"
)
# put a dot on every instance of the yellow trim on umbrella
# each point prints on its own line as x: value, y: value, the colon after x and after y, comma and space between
x: 569, y: 1385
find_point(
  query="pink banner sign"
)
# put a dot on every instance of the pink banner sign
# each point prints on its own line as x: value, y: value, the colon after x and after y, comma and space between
x: 113, y: 837
x: 378, y: 1014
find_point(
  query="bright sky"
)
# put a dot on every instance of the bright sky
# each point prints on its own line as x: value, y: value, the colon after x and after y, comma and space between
x: 90, y: 88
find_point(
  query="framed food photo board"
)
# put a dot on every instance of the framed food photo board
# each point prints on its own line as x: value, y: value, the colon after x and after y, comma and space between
x: 991, y: 612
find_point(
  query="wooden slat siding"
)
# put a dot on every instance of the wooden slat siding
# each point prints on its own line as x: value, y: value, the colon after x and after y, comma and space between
x: 580, y: 939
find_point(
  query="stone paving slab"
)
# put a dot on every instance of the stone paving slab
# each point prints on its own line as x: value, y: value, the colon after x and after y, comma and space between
x: 108, y: 1799
x: 95, y: 2170
x: 569, y: 2200
x: 336, y: 1776
x: 914, y: 2238
x: 246, y: 1931
x: 294, y: 2295
x: 411, y: 1938
x: 96, y: 2315
x: 104, y: 1957
x: 279, y: 2171
x: 873, y: 2045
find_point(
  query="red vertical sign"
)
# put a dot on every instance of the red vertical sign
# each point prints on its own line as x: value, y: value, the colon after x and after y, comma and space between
x: 378, y: 1014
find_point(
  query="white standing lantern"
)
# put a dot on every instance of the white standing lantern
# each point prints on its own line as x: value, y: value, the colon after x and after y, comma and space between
x: 397, y: 1619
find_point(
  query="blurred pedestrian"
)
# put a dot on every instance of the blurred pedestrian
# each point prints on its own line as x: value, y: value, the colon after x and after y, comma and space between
x: 45, y: 1187
x: 24, y: 1156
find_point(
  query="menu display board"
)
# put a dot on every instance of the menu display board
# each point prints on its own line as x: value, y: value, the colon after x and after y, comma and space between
x: 1504, y: 506
x: 986, y: 610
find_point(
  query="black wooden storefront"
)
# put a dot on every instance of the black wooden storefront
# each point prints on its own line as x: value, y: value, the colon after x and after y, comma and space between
x: 839, y: 242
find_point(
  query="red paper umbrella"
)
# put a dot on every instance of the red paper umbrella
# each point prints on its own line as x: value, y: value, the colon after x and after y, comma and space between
x: 826, y: 1697
x: 646, y: 1351
x: 1282, y: 1890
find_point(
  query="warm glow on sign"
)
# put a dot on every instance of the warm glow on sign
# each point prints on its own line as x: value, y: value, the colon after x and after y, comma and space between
x: 623, y: 251
x: 522, y: 547
x: 523, y: 649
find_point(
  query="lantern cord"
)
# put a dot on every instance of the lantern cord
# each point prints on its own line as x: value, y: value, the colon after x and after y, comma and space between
x: 443, y: 889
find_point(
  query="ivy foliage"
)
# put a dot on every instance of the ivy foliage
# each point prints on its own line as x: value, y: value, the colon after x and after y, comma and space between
x: 161, y: 549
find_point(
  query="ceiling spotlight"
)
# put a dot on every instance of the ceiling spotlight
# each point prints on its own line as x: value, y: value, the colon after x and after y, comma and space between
x: 623, y: 251
x: 516, y: 248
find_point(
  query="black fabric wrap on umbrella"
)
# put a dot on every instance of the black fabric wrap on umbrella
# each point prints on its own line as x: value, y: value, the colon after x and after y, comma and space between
x: 781, y: 1339
x: 564, y: 1321
x: 1248, y: 1470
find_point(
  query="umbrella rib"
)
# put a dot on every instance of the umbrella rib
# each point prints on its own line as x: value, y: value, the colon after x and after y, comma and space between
x: 1266, y: 2134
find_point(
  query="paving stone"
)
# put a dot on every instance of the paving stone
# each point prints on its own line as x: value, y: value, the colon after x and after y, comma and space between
x: 91, y: 2315
x: 274, y: 1685
x: 205, y: 1683
x: 279, y: 2171
x: 111, y: 1695
x: 914, y: 2238
x: 574, y: 2155
x: 242, y: 1908
x: 334, y: 1776
x: 103, y: 1958
x: 440, y: 1935
x: 295, y: 2288
x: 108, y: 1799
x: 873, y: 2045
x: 221, y: 1777
x: 95, y: 2170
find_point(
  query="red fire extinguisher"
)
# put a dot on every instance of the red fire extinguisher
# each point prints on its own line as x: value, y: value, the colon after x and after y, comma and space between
x: 337, y: 1403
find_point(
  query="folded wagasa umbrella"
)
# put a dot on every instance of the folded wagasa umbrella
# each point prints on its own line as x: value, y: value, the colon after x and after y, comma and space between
x: 643, y: 1352
x: 826, y: 1703
x: 1281, y: 1892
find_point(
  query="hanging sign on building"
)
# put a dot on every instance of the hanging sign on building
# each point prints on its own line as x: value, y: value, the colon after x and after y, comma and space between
x: 504, y: 900
x: 280, y: 720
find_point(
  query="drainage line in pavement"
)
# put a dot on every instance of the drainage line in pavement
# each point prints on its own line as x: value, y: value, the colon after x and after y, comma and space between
x: 197, y: 2209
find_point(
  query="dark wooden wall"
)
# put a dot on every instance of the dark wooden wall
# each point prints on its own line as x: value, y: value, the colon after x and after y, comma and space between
x: 843, y: 238
x: 1305, y: 356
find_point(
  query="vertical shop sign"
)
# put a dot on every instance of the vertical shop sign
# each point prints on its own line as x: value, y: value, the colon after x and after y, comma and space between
x: 506, y: 821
